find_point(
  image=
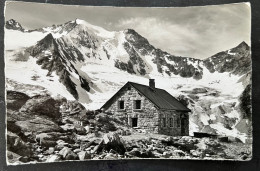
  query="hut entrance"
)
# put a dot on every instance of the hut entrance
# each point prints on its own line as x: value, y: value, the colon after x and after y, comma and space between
x: 182, y: 126
x: 134, y: 122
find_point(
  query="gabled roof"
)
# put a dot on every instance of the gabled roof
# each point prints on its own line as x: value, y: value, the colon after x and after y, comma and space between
x: 159, y: 97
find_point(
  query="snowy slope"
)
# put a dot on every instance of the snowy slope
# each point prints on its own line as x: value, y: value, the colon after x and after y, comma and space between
x: 15, y: 39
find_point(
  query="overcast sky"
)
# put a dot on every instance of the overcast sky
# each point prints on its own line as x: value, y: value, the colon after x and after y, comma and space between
x: 197, y: 32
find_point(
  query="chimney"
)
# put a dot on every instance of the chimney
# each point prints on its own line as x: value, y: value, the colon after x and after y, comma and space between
x: 151, y: 83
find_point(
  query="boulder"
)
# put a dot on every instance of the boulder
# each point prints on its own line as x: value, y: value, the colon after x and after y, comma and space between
x: 113, y: 141
x: 112, y: 151
x: 24, y: 159
x: 45, y: 140
x: 42, y: 105
x: 111, y: 156
x: 67, y: 154
x: 80, y: 130
x: 83, y: 155
x: 87, y: 128
x: 77, y: 150
x: 146, y: 154
x: 178, y: 153
x: 60, y: 144
x: 186, y: 143
x: 68, y: 127
x: 54, y: 158
x: 50, y: 150
x: 196, y: 153
x: 199, y: 90
x: 17, y: 145
x: 48, y: 143
x: 15, y: 100
x: 166, y: 154
x: 209, y: 146
x: 167, y: 140
x: 11, y: 126
x: 135, y: 152
x: 38, y: 124
x: 97, y: 148
x: 12, y: 157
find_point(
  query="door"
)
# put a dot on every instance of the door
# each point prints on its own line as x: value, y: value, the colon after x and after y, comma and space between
x: 134, y: 122
x: 183, y: 126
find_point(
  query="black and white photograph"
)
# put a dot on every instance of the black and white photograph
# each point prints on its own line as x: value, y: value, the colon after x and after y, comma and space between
x: 116, y: 83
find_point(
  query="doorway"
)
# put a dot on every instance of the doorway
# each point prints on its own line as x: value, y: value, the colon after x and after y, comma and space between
x: 183, y: 126
x: 134, y: 122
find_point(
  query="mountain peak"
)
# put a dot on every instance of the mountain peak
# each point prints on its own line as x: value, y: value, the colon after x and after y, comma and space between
x: 84, y: 25
x: 13, y: 25
x: 80, y: 21
x: 243, y: 44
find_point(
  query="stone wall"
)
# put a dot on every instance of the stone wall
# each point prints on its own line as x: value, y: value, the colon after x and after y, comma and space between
x: 175, y: 128
x: 147, y: 115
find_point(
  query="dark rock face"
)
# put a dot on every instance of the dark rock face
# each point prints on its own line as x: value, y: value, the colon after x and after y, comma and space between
x: 55, y: 62
x: 135, y: 59
x: 13, y: 25
x: 17, y: 145
x: 15, y: 100
x: 36, y: 114
x: 138, y: 41
x: 61, y: 55
x: 138, y: 44
x: 125, y: 66
x: 38, y: 124
x: 84, y: 84
x: 42, y: 105
x: 44, y: 44
x: 12, y: 157
x: 246, y: 102
x: 235, y: 61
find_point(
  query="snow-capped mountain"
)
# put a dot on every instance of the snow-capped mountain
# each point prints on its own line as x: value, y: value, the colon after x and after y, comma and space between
x: 77, y: 60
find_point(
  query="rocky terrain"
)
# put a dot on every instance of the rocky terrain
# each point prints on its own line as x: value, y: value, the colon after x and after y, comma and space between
x: 43, y: 129
x: 70, y: 70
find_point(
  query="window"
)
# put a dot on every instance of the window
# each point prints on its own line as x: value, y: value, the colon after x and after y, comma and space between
x: 134, y: 122
x: 121, y: 104
x: 178, y: 122
x: 164, y: 122
x: 137, y: 104
x: 171, y: 122
x: 129, y: 88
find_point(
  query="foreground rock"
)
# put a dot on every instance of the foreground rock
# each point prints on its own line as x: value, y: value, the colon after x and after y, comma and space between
x: 38, y: 124
x: 13, y: 157
x: 67, y: 154
x: 83, y: 155
x: 15, y: 100
x: 54, y: 158
x: 113, y: 141
x: 17, y: 145
x: 42, y: 105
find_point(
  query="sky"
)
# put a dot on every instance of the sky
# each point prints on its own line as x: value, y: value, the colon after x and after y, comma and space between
x: 197, y: 32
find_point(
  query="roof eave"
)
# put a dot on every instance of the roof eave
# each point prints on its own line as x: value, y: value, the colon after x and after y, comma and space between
x: 187, y: 110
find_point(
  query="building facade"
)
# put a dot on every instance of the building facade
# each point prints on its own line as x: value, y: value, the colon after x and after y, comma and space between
x: 149, y: 108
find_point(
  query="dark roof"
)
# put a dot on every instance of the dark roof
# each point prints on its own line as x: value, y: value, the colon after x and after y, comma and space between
x: 159, y: 97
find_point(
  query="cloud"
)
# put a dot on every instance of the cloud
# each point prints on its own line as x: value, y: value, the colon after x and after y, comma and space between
x: 199, y: 32
x: 162, y: 34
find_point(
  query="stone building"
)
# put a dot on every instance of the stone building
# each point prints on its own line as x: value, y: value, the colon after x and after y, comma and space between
x: 149, y: 108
